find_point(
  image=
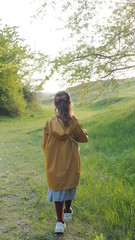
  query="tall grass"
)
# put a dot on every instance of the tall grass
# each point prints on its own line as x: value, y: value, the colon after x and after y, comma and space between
x: 107, y: 187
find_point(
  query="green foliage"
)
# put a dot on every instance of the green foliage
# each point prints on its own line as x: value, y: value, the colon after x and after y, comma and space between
x: 102, y: 45
x: 17, y: 70
x: 29, y: 96
x: 11, y: 54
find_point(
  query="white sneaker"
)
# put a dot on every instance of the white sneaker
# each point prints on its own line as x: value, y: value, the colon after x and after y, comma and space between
x: 68, y: 216
x: 60, y: 227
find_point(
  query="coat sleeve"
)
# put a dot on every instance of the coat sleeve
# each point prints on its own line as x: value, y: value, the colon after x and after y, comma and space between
x: 44, y: 137
x: 79, y: 133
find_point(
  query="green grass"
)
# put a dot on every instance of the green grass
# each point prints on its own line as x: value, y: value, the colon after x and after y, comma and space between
x: 105, y: 202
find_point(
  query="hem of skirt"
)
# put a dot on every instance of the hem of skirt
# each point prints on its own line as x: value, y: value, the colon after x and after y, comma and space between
x: 67, y: 199
x: 62, y: 195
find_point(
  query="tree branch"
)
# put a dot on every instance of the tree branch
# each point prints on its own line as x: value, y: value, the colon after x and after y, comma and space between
x: 77, y: 59
x: 118, y: 69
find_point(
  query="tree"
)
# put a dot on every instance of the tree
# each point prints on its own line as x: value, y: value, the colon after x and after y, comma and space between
x: 103, y: 46
x: 18, y: 65
x: 29, y: 96
x: 11, y: 54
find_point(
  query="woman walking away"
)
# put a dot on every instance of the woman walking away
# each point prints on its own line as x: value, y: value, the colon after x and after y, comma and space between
x: 62, y: 160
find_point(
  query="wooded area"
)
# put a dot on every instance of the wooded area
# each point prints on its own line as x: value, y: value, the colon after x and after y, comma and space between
x: 101, y: 48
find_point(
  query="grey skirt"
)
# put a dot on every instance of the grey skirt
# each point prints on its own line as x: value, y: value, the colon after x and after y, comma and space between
x: 61, y: 195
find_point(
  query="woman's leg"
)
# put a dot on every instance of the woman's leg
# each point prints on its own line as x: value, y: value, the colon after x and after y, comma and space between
x: 59, y: 211
x: 68, y: 206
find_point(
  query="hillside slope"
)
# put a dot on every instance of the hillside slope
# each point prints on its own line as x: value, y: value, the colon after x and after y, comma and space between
x: 105, y: 201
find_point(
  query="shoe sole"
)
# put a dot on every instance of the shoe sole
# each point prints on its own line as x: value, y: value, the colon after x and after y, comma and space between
x: 59, y: 231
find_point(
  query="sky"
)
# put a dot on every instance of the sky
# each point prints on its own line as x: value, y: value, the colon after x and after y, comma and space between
x: 39, y: 34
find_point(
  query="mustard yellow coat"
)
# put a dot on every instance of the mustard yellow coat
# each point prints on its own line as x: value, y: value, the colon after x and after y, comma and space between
x: 62, y: 159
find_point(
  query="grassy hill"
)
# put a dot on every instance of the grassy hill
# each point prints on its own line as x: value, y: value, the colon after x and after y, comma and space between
x: 105, y: 202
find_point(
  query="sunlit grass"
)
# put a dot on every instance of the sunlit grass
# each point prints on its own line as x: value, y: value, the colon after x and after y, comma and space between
x: 105, y: 204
